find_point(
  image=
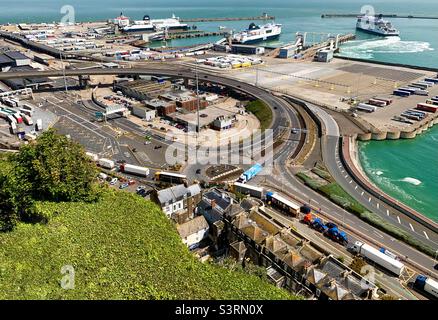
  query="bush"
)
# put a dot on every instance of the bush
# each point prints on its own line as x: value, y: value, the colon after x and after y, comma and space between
x: 53, y: 168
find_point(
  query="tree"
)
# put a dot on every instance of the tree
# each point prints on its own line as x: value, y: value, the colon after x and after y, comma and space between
x: 55, y: 169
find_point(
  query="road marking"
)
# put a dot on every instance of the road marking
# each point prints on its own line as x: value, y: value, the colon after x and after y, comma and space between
x: 342, y: 171
x: 411, y: 227
x: 398, y: 218
x: 387, y: 212
x: 351, y: 181
x: 425, y: 234
x: 369, y: 199
x: 362, y: 193
x: 378, y: 234
x: 355, y: 188
x: 378, y: 205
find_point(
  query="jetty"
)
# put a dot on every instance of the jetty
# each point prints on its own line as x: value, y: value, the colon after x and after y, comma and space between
x: 193, y: 34
x: 264, y: 16
x: 394, y: 16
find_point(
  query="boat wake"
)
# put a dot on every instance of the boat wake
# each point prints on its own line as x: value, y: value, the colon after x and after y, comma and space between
x: 413, y: 181
x: 366, y: 49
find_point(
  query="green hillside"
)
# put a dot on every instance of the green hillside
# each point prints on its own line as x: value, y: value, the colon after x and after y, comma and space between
x: 121, y: 247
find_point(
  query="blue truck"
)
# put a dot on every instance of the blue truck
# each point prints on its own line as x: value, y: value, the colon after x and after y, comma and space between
x: 250, y: 173
x: 401, y: 93
x: 337, y: 235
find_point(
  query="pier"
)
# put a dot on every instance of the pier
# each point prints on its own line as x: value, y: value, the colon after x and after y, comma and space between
x: 394, y: 16
x: 262, y: 17
x: 193, y: 34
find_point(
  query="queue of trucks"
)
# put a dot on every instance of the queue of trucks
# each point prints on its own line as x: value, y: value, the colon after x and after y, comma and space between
x: 124, y: 167
x: 18, y: 118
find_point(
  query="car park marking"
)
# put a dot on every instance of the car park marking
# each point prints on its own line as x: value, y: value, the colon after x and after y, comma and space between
x: 411, y: 227
x: 425, y: 234
x: 398, y: 218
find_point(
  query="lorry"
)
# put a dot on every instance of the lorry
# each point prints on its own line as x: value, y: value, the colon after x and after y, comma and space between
x: 94, y: 157
x: 401, y: 93
x: 427, y: 285
x: 366, y: 107
x: 106, y: 163
x: 136, y: 170
x: 250, y: 173
x: 39, y: 125
x: 378, y: 257
x: 27, y: 120
x: 388, y: 253
x: 336, y: 235
x: 318, y: 225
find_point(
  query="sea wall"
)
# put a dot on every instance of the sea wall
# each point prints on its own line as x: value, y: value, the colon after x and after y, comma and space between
x: 410, y: 133
x: 349, y: 156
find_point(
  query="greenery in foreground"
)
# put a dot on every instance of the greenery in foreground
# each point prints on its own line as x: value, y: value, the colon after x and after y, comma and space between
x: 262, y: 112
x: 52, y: 169
x: 121, y: 246
x: 335, y: 193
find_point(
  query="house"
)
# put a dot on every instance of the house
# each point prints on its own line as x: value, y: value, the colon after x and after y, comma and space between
x: 193, y: 231
x: 214, y: 205
x: 178, y: 202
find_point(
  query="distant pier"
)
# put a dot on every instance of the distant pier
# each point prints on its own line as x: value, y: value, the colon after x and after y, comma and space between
x: 262, y: 17
x: 394, y: 16
x: 193, y: 34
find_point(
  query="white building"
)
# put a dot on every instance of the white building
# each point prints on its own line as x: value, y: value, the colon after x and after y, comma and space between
x: 193, y: 231
x: 144, y: 113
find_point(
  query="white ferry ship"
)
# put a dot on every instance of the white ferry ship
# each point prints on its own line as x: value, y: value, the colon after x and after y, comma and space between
x: 151, y: 25
x: 256, y: 33
x: 376, y: 25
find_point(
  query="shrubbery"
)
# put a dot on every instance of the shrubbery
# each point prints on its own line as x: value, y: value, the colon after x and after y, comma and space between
x: 53, y: 168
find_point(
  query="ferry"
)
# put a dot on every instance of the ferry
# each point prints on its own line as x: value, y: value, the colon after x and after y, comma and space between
x: 376, y: 25
x: 173, y: 23
x: 152, y: 25
x: 256, y: 33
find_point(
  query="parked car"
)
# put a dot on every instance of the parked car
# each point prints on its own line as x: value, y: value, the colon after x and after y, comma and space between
x: 198, y: 171
x: 131, y: 182
x: 157, y: 147
x: 114, y: 181
x: 140, y: 188
x: 124, y: 186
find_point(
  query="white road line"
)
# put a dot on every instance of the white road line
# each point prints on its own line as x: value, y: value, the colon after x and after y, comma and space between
x: 425, y: 234
x: 342, y: 171
x: 378, y: 234
x: 411, y: 227
x: 362, y: 193
x: 346, y: 176
x: 387, y: 212
x: 378, y: 205
x: 398, y: 218
x: 351, y: 181
x: 355, y: 188
x: 369, y: 199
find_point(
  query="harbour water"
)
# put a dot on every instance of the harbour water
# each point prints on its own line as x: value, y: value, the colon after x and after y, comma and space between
x: 395, y: 166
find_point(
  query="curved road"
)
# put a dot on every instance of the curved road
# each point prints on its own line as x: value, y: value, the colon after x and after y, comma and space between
x: 290, y: 183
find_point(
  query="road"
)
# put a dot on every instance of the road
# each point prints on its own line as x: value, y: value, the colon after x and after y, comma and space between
x: 289, y: 184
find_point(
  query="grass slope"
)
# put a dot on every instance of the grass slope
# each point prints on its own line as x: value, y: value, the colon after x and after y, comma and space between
x: 262, y: 112
x: 121, y: 247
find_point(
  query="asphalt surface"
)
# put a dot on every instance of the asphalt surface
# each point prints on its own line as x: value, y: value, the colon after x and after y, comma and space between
x: 288, y: 183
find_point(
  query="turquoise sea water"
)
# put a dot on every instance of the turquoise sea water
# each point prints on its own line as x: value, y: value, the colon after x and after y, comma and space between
x: 392, y: 165
x: 406, y: 169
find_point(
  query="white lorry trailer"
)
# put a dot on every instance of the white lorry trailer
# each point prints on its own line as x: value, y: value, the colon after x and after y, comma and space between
x: 136, y: 170
x: 106, y: 163
x: 379, y: 258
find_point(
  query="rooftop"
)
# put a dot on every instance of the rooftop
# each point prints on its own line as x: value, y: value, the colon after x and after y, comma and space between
x: 193, y: 226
